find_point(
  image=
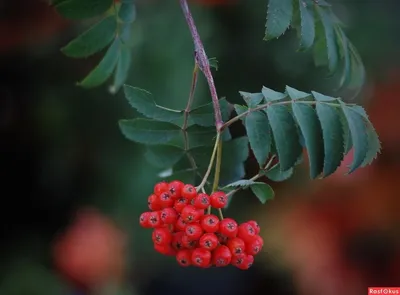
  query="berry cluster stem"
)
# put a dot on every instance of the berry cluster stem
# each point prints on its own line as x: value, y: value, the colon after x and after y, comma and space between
x: 204, y: 65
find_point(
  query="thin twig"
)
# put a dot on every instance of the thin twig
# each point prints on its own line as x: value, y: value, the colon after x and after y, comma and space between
x: 217, y: 165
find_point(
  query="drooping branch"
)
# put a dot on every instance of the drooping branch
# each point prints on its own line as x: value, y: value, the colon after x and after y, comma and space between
x: 202, y: 61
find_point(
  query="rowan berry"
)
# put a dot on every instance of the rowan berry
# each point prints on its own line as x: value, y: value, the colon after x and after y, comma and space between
x: 161, y: 236
x: 154, y: 203
x: 246, y: 262
x: 180, y: 204
x: 238, y: 259
x: 169, y: 216
x: 193, y: 231
x: 246, y: 232
x: 176, y: 241
x: 221, y: 256
x: 208, y: 241
x: 201, y: 201
x: 255, y: 225
x: 228, y: 227
x: 236, y: 246
x: 166, y: 200
x: 190, y: 214
x: 222, y: 238
x: 254, y: 247
x: 144, y: 220
x: 218, y: 200
x: 165, y: 249
x: 210, y: 223
x: 155, y: 219
x: 184, y: 257
x: 175, y: 189
x: 188, y: 243
x: 189, y: 191
x: 201, y: 257
x: 180, y: 225
x: 160, y: 187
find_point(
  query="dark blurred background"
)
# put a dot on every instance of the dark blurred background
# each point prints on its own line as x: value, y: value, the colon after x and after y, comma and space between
x: 73, y: 187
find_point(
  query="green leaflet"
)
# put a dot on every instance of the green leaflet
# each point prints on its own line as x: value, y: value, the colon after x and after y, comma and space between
x: 142, y: 101
x: 93, y: 40
x: 127, y: 11
x: 344, y: 49
x: 332, y: 132
x: 258, y: 131
x: 122, y: 70
x: 78, y: 9
x: 243, y: 183
x: 277, y: 175
x: 307, y: 23
x: 149, y: 132
x: 163, y: 156
x: 239, y: 109
x: 295, y: 94
x: 272, y: 95
x: 279, y: 16
x: 262, y: 191
x: 204, y: 115
x: 186, y: 176
x: 104, y: 69
x: 204, y: 136
x: 252, y: 99
x: 285, y: 135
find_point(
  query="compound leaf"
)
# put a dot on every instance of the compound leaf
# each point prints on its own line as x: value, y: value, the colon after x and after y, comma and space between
x: 258, y: 131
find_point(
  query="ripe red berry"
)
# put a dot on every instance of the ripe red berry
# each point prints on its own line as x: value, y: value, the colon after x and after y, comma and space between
x: 238, y: 259
x: 180, y: 225
x: 201, y: 257
x: 201, y: 201
x: 176, y: 241
x: 160, y: 187
x: 209, y: 223
x: 175, y: 189
x: 169, y: 216
x: 208, y: 241
x: 144, y: 220
x: 245, y: 262
x: 218, y: 200
x: 236, y: 246
x: 165, y: 249
x: 189, y: 243
x: 155, y: 219
x: 221, y: 238
x: 180, y: 204
x: 154, y: 203
x: 246, y: 232
x: 190, y: 214
x: 228, y: 227
x: 161, y: 236
x: 221, y: 256
x: 184, y: 257
x: 255, y: 225
x: 193, y: 231
x: 254, y: 247
x: 166, y: 200
x: 189, y: 191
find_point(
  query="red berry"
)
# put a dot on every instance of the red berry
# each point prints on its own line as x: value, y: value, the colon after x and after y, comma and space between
x: 236, y: 246
x: 188, y: 243
x: 254, y: 247
x: 144, y: 220
x: 221, y: 256
x: 155, y: 219
x: 184, y: 257
x: 218, y: 200
x: 180, y: 225
x: 210, y: 223
x: 228, y: 227
x: 208, y: 241
x: 200, y: 213
x: 166, y: 200
x: 255, y: 225
x: 221, y: 238
x: 201, y: 201
x: 238, y: 259
x: 193, y: 231
x: 161, y: 236
x: 176, y: 241
x: 189, y: 191
x: 190, y: 214
x: 245, y: 263
x: 154, y: 203
x: 201, y: 257
x: 169, y: 216
x: 175, y: 189
x: 180, y: 204
x: 160, y: 187
x: 246, y: 232
x: 165, y: 249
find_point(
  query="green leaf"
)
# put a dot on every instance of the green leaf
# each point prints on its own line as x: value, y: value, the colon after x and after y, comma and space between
x: 123, y: 65
x: 252, y: 99
x: 78, y: 9
x: 204, y: 115
x: 332, y: 132
x: 93, y: 40
x: 330, y: 37
x: 239, y: 109
x: 143, y: 102
x: 213, y: 63
x: 344, y: 48
x: 163, y: 156
x: 359, y: 136
x: 307, y: 32
x: 186, y: 176
x: 310, y: 126
x: 272, y: 95
x: 104, y: 69
x: 321, y: 97
x: 295, y: 94
x: 263, y: 191
x: 285, y: 135
x: 258, y: 131
x: 127, y: 11
x: 204, y: 136
x: 243, y: 183
x: 277, y: 175
x: 279, y: 16
x: 148, y: 131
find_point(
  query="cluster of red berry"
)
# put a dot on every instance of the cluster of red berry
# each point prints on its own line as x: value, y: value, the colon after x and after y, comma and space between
x: 182, y: 228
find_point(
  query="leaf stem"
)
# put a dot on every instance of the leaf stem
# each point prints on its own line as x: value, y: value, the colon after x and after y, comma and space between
x: 203, y: 62
x: 217, y: 165
x: 221, y: 216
